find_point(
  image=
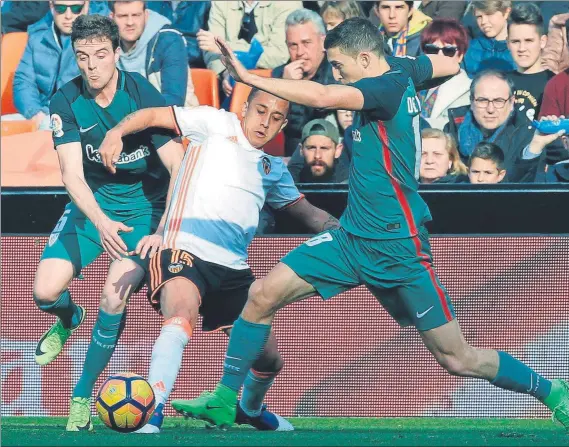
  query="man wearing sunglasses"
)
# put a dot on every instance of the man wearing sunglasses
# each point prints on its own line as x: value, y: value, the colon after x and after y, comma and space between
x: 47, y: 64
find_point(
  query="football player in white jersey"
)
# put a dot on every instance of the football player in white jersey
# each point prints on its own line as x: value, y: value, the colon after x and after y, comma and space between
x: 199, y: 263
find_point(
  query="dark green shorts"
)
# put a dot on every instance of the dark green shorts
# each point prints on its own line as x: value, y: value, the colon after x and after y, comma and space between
x: 398, y: 272
x: 76, y: 239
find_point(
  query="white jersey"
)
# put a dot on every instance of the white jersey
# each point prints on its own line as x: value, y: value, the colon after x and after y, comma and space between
x: 221, y: 187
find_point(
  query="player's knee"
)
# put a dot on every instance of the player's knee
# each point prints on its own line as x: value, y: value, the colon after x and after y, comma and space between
x: 260, y: 298
x: 112, y: 303
x: 45, y: 293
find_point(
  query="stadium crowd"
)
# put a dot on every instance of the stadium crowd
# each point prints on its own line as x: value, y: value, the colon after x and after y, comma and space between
x: 476, y: 127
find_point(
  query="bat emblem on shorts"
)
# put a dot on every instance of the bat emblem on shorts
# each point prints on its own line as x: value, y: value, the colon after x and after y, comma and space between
x: 175, y: 268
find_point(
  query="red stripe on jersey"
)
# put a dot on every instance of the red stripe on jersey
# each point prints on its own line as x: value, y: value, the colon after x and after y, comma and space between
x: 409, y: 218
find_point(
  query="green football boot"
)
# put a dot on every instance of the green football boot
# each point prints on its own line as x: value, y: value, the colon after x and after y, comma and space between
x: 51, y: 343
x: 561, y: 409
x: 80, y: 415
x: 218, y: 408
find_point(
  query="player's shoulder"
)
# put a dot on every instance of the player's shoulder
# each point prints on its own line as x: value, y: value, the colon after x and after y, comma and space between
x: 272, y: 165
x: 71, y: 90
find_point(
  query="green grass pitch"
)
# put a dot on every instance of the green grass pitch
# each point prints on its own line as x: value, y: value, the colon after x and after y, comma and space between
x: 26, y: 431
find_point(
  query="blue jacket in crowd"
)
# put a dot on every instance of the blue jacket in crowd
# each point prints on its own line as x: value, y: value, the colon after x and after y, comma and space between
x: 188, y: 18
x: 47, y: 64
x: 484, y: 53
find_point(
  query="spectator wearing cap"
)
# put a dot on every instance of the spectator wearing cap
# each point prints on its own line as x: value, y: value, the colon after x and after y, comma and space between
x: 319, y: 154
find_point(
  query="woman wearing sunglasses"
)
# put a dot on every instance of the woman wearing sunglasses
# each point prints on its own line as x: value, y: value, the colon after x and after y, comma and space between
x: 448, y: 37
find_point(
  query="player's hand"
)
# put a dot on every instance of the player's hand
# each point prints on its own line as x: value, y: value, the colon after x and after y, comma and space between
x: 110, y: 150
x: 234, y: 67
x: 294, y: 70
x: 540, y: 140
x: 206, y: 41
x: 148, y: 245
x: 110, y: 239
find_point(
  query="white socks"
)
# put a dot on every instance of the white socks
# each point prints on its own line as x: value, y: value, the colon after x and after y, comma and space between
x: 167, y: 357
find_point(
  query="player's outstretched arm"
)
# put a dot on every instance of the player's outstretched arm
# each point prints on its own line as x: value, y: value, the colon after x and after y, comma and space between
x: 142, y: 119
x: 73, y: 176
x: 314, y: 218
x: 303, y: 92
x: 443, y: 66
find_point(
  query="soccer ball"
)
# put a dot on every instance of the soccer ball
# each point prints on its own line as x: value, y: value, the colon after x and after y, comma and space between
x: 125, y: 402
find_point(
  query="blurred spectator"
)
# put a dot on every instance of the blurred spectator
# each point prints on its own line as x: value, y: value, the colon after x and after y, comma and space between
x: 240, y: 23
x: 449, y: 37
x: 556, y: 52
x: 486, y: 164
x: 401, y: 26
x: 551, y: 8
x: 321, y: 150
x: 443, y: 9
x: 526, y: 39
x: 188, y: 18
x: 334, y: 13
x: 440, y: 161
x: 560, y: 172
x: 21, y: 16
x: 490, y: 50
x: 492, y: 118
x: 305, y: 33
x: 152, y: 48
x: 345, y: 118
x: 48, y: 63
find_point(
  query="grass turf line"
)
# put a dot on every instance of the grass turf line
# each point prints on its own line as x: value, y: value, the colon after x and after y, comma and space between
x: 27, y: 431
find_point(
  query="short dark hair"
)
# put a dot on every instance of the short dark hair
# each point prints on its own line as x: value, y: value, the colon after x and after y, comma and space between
x: 355, y: 35
x: 410, y: 4
x: 527, y: 14
x: 491, y: 73
x: 255, y: 91
x: 95, y: 26
x: 112, y: 3
x: 488, y: 151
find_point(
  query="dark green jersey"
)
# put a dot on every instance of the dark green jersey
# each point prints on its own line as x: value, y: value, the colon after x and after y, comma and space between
x: 383, y: 202
x: 141, y: 181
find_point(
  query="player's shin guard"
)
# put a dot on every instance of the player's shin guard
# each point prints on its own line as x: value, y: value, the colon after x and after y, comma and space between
x: 64, y: 308
x: 514, y: 375
x: 105, y: 336
x: 167, y: 356
x: 246, y: 344
x: 255, y: 388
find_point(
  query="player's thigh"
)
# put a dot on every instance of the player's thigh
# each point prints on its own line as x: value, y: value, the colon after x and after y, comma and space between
x: 123, y: 278
x: 175, y: 285
x: 143, y: 224
x: 326, y: 262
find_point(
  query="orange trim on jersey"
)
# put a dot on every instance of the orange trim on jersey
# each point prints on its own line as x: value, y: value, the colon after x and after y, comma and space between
x: 181, y: 322
x: 176, y: 222
x: 288, y: 205
x: 155, y: 272
x: 177, y: 128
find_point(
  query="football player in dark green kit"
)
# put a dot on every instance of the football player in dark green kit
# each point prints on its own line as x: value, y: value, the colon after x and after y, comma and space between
x: 118, y: 213
x: 383, y: 243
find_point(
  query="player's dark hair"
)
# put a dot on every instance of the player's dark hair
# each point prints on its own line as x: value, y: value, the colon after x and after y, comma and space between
x: 488, y: 151
x: 95, y: 27
x: 527, y: 14
x: 491, y: 73
x: 254, y: 92
x: 355, y: 35
x: 112, y: 3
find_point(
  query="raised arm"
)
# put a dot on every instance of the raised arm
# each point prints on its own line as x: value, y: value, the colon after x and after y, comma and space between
x: 140, y: 120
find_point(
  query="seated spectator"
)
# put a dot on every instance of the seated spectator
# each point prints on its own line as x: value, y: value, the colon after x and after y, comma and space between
x: 151, y: 47
x: 47, y: 64
x: 556, y: 52
x: 440, y: 161
x: 344, y: 118
x: 559, y: 173
x: 526, y: 40
x: 449, y: 37
x: 321, y: 150
x: 492, y: 118
x: 401, y: 26
x: 486, y: 164
x: 239, y: 23
x: 188, y: 18
x: 334, y: 13
x: 18, y: 15
x: 305, y: 33
x: 443, y: 9
x: 556, y: 103
x: 490, y: 49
